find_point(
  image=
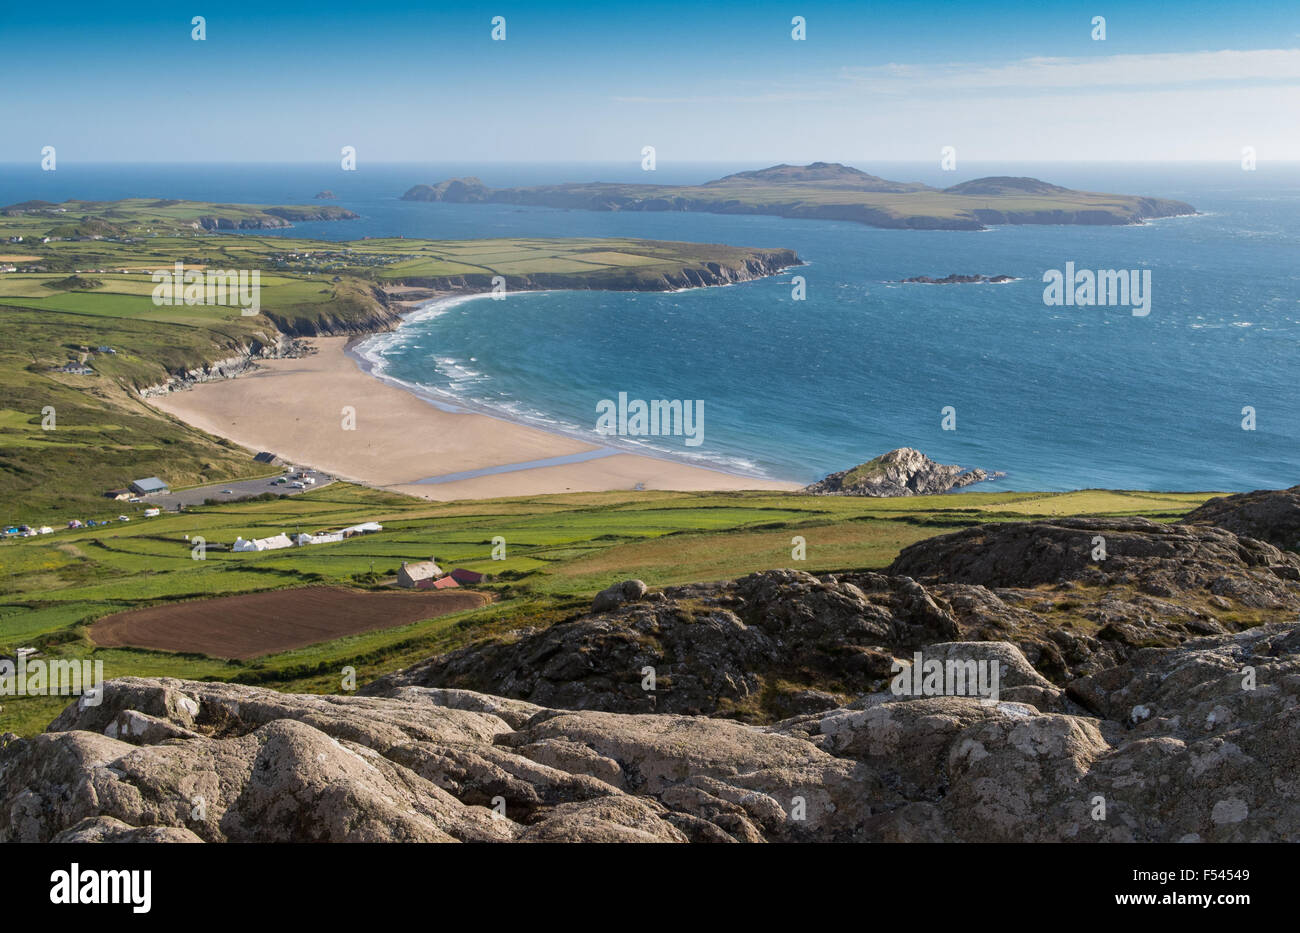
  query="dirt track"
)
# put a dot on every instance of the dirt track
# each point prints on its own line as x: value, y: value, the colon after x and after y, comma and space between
x: 253, y: 624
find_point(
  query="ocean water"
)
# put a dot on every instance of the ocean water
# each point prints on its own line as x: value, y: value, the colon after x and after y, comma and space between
x: 1057, y: 397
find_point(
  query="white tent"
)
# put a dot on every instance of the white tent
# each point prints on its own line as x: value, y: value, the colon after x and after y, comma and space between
x: 263, y: 544
x: 363, y: 528
x: 324, y: 537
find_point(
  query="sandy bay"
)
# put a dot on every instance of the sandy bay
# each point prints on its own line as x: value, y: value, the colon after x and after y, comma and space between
x: 294, y: 408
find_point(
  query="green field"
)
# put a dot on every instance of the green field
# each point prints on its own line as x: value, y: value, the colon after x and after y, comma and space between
x: 559, y: 551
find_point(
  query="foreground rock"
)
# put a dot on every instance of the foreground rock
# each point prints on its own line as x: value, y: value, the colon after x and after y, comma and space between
x: 764, y: 647
x: 1271, y: 515
x: 901, y: 472
x: 785, y: 642
x: 1183, y: 751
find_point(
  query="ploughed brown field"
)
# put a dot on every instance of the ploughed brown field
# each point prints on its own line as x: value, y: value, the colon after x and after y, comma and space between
x: 253, y: 624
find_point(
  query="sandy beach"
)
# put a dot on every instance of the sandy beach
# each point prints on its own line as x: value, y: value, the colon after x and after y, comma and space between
x: 295, y: 408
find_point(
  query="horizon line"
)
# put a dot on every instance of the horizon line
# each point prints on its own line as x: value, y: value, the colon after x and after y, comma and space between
x: 1224, y: 161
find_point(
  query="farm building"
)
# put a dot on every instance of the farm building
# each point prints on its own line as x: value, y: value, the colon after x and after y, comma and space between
x: 320, y: 537
x: 364, y: 528
x: 418, y: 575
x: 443, y: 582
x: 263, y: 544
x: 461, y: 575
x: 149, y: 485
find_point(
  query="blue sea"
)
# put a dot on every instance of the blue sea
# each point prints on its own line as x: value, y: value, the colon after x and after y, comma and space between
x: 1056, y: 397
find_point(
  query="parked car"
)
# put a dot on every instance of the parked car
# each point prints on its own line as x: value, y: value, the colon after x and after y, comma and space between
x: 298, y: 484
x: 124, y: 518
x: 227, y: 492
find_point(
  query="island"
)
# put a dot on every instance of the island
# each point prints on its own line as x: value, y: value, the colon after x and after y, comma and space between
x: 956, y: 278
x: 832, y: 191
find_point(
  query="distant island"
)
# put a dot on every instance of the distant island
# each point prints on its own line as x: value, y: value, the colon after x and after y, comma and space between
x: 958, y: 279
x: 325, y: 196
x: 831, y: 191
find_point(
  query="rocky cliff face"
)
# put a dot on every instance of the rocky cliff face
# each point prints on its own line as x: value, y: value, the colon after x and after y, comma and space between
x: 245, y: 360
x: 273, y: 218
x: 265, y: 222
x: 901, y: 472
x: 1271, y: 515
x: 1159, y: 683
x: 757, y: 265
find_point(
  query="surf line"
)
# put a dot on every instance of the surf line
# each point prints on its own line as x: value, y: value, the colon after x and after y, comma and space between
x: 596, y: 454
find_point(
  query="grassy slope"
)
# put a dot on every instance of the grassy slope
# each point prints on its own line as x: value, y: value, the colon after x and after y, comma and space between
x: 560, y: 550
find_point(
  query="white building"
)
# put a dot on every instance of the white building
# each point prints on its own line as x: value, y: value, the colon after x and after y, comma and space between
x: 263, y: 544
x: 322, y: 537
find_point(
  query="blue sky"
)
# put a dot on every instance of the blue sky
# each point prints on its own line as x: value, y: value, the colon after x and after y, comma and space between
x: 699, y: 81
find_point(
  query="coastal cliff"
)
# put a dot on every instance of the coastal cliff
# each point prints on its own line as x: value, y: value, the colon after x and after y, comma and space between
x: 358, y: 307
x: 704, y: 273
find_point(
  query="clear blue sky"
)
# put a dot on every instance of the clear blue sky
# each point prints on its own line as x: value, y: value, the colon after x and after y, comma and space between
x: 699, y: 81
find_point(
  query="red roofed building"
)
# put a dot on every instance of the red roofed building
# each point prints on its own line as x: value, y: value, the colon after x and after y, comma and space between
x: 443, y: 582
x: 461, y: 575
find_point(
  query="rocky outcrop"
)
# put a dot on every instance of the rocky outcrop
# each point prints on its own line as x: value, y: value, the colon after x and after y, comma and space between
x: 1196, y: 743
x: 325, y: 195
x: 1271, y: 515
x: 781, y: 642
x: 1160, y: 559
x: 958, y: 279
x: 767, y: 646
x: 277, y: 346
x: 901, y: 472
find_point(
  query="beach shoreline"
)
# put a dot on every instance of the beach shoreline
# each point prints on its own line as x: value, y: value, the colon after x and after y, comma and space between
x: 331, y: 410
x: 363, y: 350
